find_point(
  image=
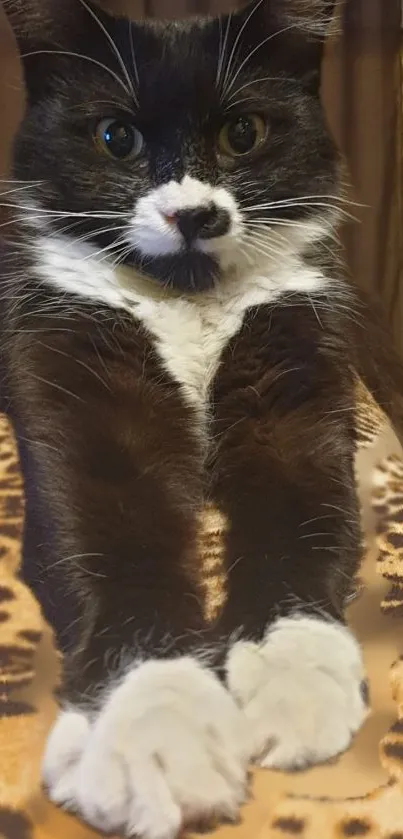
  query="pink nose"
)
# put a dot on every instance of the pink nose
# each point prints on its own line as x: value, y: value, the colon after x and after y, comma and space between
x: 170, y: 219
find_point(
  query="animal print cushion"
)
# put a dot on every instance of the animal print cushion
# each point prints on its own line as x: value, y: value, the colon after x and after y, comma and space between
x: 360, y: 795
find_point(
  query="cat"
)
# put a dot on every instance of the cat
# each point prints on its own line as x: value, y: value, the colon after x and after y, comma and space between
x: 178, y: 337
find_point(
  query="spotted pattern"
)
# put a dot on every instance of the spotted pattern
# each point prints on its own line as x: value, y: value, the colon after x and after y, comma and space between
x: 289, y: 826
x: 370, y: 418
x: 14, y: 825
x: 355, y: 827
x: 29, y: 674
x: 388, y: 504
x: 6, y: 594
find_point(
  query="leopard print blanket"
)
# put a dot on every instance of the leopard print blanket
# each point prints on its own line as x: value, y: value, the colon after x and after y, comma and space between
x: 360, y: 795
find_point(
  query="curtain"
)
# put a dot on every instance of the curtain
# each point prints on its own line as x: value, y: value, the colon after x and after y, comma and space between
x: 362, y: 96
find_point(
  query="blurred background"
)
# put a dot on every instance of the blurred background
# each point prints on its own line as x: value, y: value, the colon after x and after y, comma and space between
x: 362, y: 94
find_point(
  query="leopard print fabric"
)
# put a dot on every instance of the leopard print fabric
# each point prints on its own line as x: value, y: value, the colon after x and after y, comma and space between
x: 30, y: 670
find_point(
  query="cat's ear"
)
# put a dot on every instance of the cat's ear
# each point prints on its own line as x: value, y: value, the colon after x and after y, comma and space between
x: 309, y: 16
x: 52, y: 22
x: 291, y: 33
x: 47, y: 30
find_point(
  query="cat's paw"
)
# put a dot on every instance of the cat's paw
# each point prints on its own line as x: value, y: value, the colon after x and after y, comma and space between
x: 302, y: 691
x: 168, y: 748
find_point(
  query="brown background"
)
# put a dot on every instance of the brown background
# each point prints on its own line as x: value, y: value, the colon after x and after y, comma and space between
x: 362, y: 94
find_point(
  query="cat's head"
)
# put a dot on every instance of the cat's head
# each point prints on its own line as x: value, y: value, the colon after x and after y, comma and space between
x: 184, y: 149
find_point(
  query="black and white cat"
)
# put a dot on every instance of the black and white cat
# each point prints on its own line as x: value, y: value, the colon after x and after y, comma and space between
x: 177, y: 336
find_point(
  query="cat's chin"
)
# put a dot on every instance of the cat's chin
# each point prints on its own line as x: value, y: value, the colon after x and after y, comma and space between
x: 188, y: 271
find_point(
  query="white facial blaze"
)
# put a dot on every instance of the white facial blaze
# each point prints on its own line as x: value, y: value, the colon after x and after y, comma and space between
x: 153, y: 235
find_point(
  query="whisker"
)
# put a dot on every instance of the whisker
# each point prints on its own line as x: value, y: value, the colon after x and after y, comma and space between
x: 257, y: 229
x: 124, y: 252
x: 264, y: 251
x: 247, y: 255
x: 236, y: 43
x: 223, y: 49
x: 18, y: 188
x: 55, y: 214
x: 256, y: 81
x: 298, y: 198
x: 84, y: 58
x: 85, y: 105
x: 105, y: 250
x: 311, y: 205
x: 57, y: 386
x: 265, y: 247
x: 255, y: 50
x: 265, y: 235
x: 13, y: 221
x: 91, y: 234
x: 315, y: 311
x: 78, y: 361
x: 18, y: 181
x: 113, y: 47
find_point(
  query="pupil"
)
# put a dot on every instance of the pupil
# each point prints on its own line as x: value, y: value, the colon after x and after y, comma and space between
x: 119, y: 139
x: 242, y: 135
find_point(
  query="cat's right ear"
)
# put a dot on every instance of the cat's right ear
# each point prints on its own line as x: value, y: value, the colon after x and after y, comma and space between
x: 47, y: 30
x: 289, y: 33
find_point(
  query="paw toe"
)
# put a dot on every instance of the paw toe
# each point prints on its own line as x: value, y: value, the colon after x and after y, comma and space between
x: 102, y: 791
x: 153, y: 813
x: 63, y: 791
x: 64, y: 748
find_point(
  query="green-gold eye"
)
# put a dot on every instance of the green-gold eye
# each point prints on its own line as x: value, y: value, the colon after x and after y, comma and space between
x: 241, y: 135
x: 119, y: 138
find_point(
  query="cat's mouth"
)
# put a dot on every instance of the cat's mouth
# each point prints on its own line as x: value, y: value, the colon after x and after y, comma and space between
x: 189, y: 270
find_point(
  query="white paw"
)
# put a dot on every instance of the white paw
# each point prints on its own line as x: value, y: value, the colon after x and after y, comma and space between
x: 301, y: 691
x: 167, y: 748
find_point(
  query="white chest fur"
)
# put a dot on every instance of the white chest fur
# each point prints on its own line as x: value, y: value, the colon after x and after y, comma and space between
x: 190, y: 340
x: 190, y: 331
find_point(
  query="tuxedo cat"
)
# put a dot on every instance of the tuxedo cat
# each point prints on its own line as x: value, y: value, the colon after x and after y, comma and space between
x: 178, y: 338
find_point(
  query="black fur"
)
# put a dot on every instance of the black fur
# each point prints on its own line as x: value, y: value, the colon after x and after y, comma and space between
x: 114, y: 473
x: 181, y: 109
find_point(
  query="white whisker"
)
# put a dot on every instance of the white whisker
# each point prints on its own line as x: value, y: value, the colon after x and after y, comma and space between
x: 265, y: 243
x: 17, y: 189
x: 113, y: 47
x: 235, y: 45
x: 105, y: 250
x: 311, y: 205
x: 55, y: 214
x: 266, y: 251
x: 299, y: 198
x: 254, y: 51
x: 270, y: 226
x: 315, y: 311
x: 223, y: 49
x: 84, y: 58
x: 256, y: 81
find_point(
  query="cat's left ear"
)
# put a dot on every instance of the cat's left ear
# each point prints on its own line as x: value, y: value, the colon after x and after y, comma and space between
x: 51, y: 22
x: 291, y: 33
x: 47, y: 30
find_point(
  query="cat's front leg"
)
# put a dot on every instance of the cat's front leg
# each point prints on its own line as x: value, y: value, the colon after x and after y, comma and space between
x: 147, y: 739
x: 284, y: 477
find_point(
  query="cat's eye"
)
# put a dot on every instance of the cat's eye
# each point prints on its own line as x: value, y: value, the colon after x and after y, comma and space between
x: 241, y: 135
x: 119, y: 138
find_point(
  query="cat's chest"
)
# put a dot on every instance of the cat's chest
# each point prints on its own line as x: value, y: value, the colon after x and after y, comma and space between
x: 190, y: 340
x: 188, y: 333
